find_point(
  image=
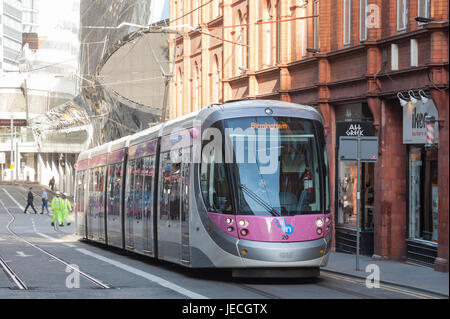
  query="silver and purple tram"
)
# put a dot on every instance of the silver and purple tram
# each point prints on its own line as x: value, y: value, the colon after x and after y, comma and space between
x: 241, y: 186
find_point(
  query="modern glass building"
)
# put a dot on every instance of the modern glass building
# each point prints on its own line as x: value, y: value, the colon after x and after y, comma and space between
x: 10, y: 34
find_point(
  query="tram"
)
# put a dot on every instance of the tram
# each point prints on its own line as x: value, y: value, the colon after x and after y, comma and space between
x: 241, y: 186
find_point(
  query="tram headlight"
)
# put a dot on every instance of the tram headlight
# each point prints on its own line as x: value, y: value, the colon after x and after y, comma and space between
x: 243, y: 222
x: 319, y: 222
x: 319, y: 231
x: 230, y: 229
x: 327, y: 220
x: 244, y: 232
x: 229, y: 220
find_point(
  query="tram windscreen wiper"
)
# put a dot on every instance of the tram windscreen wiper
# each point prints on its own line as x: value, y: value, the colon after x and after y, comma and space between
x: 259, y: 200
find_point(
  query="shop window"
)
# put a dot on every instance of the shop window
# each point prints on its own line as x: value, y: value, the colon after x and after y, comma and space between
x: 347, y: 190
x: 423, y: 194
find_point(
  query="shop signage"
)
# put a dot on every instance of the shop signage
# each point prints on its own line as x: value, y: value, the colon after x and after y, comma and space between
x: 7, y: 122
x: 363, y: 149
x: 414, y: 125
x: 354, y: 129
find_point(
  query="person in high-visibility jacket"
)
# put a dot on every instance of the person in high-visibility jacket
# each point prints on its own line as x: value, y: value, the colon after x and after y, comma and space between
x: 65, y: 209
x: 57, y: 206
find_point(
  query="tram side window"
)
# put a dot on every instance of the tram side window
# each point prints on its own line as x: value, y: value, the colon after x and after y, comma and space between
x: 95, y: 189
x: 185, y: 189
x: 138, y: 188
x: 101, y: 188
x: 80, y: 191
x: 83, y: 187
x: 164, y: 186
x: 110, y: 190
x: 129, y: 190
x: 175, y: 191
x: 116, y: 186
x: 327, y: 182
x: 169, y: 194
x: 91, y: 190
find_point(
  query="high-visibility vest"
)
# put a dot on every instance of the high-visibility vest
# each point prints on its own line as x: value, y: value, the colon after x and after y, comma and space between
x: 57, y: 203
x: 66, y: 205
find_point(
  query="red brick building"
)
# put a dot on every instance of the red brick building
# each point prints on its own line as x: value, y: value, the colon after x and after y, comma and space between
x: 353, y: 60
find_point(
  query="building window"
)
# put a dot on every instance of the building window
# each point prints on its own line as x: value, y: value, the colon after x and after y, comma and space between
x: 196, y: 88
x: 304, y: 24
x: 402, y: 14
x: 414, y: 49
x: 278, y: 18
x: 267, y: 27
x: 423, y: 9
x: 216, y: 80
x: 363, y: 20
x: 347, y: 21
x: 180, y: 93
x: 216, y: 8
x: 12, y: 22
x: 240, y: 36
x: 394, y: 56
x: 195, y: 15
x: 316, y: 24
x: 180, y: 11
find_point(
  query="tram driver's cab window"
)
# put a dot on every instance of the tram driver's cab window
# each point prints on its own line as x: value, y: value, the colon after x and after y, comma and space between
x: 214, y: 184
x: 213, y: 175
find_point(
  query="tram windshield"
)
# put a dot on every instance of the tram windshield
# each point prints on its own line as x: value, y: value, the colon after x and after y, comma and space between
x: 267, y: 166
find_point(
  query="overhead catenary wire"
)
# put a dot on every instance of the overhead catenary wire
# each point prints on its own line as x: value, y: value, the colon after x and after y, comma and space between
x: 192, y: 11
x: 263, y: 22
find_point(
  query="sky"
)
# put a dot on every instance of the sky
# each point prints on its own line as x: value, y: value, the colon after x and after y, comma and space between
x: 51, y: 10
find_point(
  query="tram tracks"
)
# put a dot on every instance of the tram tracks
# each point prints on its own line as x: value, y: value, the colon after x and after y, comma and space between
x: 17, y: 280
x: 354, y: 286
x: 11, y: 274
x: 387, y: 287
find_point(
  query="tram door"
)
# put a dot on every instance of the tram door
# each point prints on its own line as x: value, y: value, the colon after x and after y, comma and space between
x: 91, y: 204
x: 185, y: 217
x: 138, y: 225
x: 129, y: 206
x: 101, y: 203
x: 149, y: 164
x: 169, y: 206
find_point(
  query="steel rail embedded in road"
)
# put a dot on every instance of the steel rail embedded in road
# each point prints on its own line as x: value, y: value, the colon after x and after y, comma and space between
x: 13, y: 275
x: 384, y: 286
x: 88, y: 277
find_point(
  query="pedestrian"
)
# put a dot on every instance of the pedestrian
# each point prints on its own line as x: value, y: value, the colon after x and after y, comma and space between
x: 65, y: 209
x: 56, y: 208
x: 44, y: 197
x: 51, y: 183
x: 30, y: 201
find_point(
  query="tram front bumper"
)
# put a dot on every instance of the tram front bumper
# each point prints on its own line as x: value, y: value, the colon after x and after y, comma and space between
x: 312, y: 253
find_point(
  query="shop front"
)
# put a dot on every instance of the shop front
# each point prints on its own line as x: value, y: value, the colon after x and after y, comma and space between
x: 354, y: 120
x: 421, y: 137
